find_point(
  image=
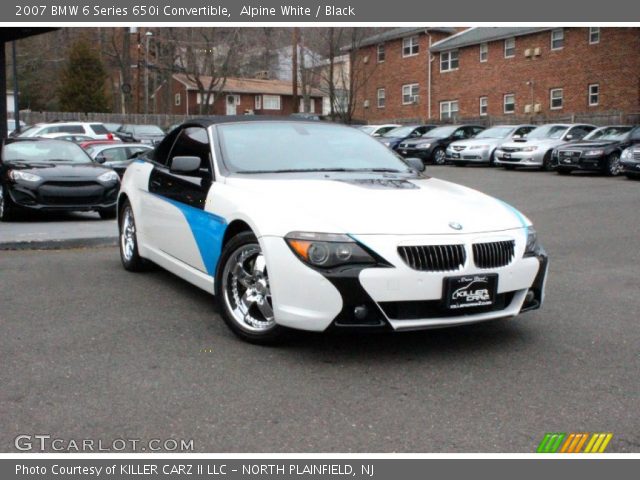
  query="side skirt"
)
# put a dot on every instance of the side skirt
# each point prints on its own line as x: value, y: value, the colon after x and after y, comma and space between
x: 181, y: 269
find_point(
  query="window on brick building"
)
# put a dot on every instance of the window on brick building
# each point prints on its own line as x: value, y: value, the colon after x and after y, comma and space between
x: 382, y: 97
x: 557, y: 39
x: 410, y: 46
x: 380, y: 53
x: 448, y: 109
x: 594, y: 35
x: 555, y: 98
x: 484, y: 105
x: 410, y: 93
x: 484, y: 52
x: 177, y: 99
x: 257, y: 102
x: 199, y: 99
x: 510, y: 47
x: 594, y: 94
x: 509, y: 103
x: 271, y: 102
x: 449, y: 61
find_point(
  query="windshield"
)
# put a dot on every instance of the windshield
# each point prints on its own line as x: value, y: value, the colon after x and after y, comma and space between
x: 440, y: 132
x: 367, y: 129
x: 278, y: 147
x: 495, y: 132
x: 148, y: 130
x: 609, y: 133
x: 400, y: 132
x: 44, y: 151
x: 548, y: 131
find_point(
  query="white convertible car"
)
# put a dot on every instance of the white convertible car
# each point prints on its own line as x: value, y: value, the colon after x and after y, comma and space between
x: 310, y: 225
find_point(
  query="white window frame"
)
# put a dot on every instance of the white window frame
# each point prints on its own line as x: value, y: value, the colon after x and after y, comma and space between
x: 590, y: 94
x: 382, y: 97
x: 449, y: 109
x: 257, y: 102
x: 267, y: 99
x: 510, y: 39
x: 552, y: 98
x: 381, y: 50
x: 410, y: 87
x: 485, y: 105
x: 312, y: 105
x: 448, y: 58
x: 412, y: 42
x: 561, y: 39
x: 177, y: 99
x: 484, y: 49
x: 199, y: 98
x: 594, y: 31
x: 505, y: 103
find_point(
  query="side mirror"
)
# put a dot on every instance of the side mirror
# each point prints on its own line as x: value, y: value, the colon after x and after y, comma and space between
x: 515, y: 137
x: 569, y: 137
x: 100, y: 159
x: 185, y: 165
x: 376, y: 135
x: 415, y: 163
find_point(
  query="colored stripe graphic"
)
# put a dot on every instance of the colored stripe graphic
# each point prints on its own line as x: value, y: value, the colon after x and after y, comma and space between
x: 573, y: 442
x: 551, y: 442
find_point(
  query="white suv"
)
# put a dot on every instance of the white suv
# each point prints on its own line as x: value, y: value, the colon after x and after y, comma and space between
x: 94, y: 130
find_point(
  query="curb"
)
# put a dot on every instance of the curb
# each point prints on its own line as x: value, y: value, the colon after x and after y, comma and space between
x: 61, y: 244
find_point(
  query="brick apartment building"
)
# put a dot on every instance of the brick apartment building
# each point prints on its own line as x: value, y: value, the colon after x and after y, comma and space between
x: 501, y: 73
x: 239, y: 96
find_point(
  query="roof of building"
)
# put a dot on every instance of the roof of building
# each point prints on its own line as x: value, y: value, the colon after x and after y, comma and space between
x: 246, y: 85
x: 476, y: 35
x: 401, y: 32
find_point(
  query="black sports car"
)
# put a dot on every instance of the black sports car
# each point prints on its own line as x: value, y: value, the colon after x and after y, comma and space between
x: 432, y: 145
x: 54, y: 175
x: 599, y: 151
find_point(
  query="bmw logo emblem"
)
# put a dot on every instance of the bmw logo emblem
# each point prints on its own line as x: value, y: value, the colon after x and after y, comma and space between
x: 455, y: 225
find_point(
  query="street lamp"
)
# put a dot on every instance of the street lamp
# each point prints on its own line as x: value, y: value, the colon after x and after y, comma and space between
x: 147, y: 37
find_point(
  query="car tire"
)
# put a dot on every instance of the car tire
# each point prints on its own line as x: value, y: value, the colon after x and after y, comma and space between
x: 546, y: 162
x: 439, y: 157
x: 492, y: 159
x: 612, y: 165
x: 243, y: 293
x: 108, y: 213
x: 7, y: 210
x: 564, y: 171
x: 128, y: 241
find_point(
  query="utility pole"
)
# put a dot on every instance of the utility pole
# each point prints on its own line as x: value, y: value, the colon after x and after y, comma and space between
x: 16, y: 99
x: 138, y: 65
x: 147, y: 37
x: 294, y: 69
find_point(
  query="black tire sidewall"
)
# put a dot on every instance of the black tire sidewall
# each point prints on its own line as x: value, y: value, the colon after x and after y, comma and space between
x: 136, y: 263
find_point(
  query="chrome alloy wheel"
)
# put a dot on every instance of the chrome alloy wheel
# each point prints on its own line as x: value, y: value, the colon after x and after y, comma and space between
x: 128, y: 235
x: 439, y: 157
x: 245, y: 286
x: 614, y: 166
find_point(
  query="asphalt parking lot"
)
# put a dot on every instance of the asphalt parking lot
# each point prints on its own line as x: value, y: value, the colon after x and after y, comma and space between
x: 90, y: 351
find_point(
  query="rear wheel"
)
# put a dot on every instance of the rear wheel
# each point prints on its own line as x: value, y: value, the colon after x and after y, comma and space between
x: 439, y: 156
x: 242, y: 288
x: 612, y: 165
x: 131, y: 259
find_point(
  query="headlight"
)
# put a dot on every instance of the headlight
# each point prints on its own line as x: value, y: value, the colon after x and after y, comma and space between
x: 532, y: 243
x: 386, y: 143
x: 108, y: 176
x: 529, y: 149
x: 626, y: 155
x: 479, y: 147
x: 594, y: 153
x: 423, y: 145
x: 327, y: 250
x: 26, y: 176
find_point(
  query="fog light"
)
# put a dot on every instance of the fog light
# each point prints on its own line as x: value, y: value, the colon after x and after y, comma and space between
x: 530, y: 297
x: 360, y: 312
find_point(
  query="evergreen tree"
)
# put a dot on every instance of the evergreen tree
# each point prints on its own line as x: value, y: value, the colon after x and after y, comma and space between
x: 82, y: 81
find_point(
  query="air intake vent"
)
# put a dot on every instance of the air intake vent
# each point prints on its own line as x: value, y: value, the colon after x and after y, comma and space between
x: 434, y: 258
x: 494, y: 254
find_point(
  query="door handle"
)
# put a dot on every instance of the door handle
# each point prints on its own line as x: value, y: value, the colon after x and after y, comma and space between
x: 155, y: 183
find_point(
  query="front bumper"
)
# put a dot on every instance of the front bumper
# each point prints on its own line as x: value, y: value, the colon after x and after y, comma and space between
x: 396, y: 297
x: 630, y: 166
x: 422, y: 153
x: 468, y: 156
x: 577, y: 161
x: 64, y: 197
x: 525, y: 159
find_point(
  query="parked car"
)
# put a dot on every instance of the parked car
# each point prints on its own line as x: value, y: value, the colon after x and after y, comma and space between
x: 149, y: 134
x: 94, y: 130
x: 599, y: 151
x: 112, y: 127
x: 11, y: 125
x: 432, y: 146
x: 378, y: 130
x: 482, y: 147
x: 630, y: 162
x: 70, y: 137
x: 536, y: 148
x: 54, y: 175
x: 393, y: 137
x: 290, y: 236
x: 117, y: 156
x: 90, y: 143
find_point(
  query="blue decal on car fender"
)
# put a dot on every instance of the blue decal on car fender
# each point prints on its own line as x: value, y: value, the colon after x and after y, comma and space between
x: 519, y: 216
x: 208, y: 231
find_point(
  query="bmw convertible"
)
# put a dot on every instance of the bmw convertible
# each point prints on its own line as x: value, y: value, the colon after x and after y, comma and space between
x: 294, y: 224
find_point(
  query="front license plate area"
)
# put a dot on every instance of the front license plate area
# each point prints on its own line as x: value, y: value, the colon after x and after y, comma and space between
x: 455, y: 155
x: 470, y: 292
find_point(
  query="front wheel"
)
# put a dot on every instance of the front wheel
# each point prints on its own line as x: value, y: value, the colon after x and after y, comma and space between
x: 6, y: 206
x: 243, y: 291
x: 612, y: 165
x: 439, y: 156
x: 131, y: 259
x: 546, y: 162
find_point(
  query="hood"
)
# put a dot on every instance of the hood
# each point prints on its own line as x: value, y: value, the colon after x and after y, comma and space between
x: 62, y: 171
x: 375, y: 205
x: 590, y: 144
x: 538, y: 142
x: 416, y: 141
x: 389, y: 139
x: 494, y: 142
